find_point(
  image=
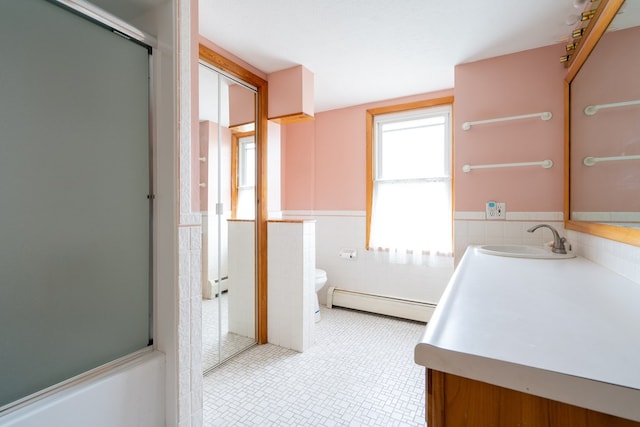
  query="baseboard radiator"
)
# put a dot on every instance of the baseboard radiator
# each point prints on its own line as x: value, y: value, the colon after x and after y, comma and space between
x: 380, y: 304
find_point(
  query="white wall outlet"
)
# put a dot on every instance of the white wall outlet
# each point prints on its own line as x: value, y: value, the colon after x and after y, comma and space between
x: 348, y: 253
x: 496, y: 210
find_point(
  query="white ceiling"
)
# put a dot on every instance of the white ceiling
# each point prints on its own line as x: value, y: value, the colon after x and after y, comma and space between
x: 369, y: 50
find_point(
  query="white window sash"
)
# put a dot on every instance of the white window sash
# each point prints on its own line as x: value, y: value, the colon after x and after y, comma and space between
x: 245, y: 208
x: 412, y: 215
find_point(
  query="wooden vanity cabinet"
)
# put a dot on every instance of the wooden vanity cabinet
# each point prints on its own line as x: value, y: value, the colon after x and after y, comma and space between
x: 455, y: 401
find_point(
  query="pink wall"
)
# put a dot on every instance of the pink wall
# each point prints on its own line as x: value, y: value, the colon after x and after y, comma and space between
x: 297, y: 167
x: 324, y: 160
x: 324, y: 163
x: 521, y: 83
x: 242, y: 105
x: 605, y: 78
x: 291, y: 92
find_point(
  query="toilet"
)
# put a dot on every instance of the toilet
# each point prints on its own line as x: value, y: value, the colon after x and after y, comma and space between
x: 321, y: 279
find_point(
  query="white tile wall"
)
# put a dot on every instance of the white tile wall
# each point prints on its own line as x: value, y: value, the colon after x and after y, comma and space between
x: 189, y: 249
x: 291, y: 267
x: 422, y: 279
x: 380, y: 273
x: 190, y: 383
x: 619, y: 257
x: 309, y: 278
x: 470, y: 228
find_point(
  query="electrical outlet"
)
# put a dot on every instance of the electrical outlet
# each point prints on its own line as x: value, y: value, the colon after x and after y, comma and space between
x: 496, y: 210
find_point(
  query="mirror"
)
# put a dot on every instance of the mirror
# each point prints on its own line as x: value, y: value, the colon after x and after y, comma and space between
x: 227, y: 201
x: 604, y: 128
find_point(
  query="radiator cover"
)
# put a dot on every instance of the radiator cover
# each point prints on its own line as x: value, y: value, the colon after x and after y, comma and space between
x: 381, y: 304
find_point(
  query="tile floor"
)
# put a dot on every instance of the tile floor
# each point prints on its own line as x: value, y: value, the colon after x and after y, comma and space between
x: 360, y: 372
x: 219, y: 344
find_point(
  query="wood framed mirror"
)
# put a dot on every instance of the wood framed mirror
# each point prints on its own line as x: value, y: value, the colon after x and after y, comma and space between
x: 621, y: 195
x: 259, y: 132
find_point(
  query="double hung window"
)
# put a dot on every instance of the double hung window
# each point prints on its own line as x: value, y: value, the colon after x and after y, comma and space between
x: 411, y: 181
x: 246, y: 177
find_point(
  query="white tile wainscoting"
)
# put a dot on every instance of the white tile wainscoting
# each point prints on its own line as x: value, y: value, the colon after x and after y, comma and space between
x: 619, y: 257
x: 471, y: 228
x: 189, y: 337
x: 291, y: 277
x: 375, y: 272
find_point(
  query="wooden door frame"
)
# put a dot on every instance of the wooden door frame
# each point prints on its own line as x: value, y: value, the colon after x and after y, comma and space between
x: 220, y: 62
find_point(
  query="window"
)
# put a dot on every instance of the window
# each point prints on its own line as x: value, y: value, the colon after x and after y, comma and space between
x: 410, y: 179
x: 247, y: 169
x: 245, y: 181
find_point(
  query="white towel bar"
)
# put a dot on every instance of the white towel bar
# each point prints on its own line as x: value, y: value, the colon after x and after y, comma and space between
x: 546, y: 115
x: 544, y: 163
x: 590, y: 110
x: 590, y: 161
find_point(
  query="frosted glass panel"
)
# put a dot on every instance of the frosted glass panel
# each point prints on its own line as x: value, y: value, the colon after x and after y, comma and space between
x: 74, y: 213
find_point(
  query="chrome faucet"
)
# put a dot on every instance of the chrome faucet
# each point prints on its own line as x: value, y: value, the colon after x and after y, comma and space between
x: 558, y: 242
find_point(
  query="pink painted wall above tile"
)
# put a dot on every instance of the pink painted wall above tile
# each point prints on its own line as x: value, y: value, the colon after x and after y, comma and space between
x: 291, y: 94
x: 517, y: 84
x: 297, y: 167
x: 242, y: 105
x: 324, y: 165
x: 610, y: 186
x: 324, y: 161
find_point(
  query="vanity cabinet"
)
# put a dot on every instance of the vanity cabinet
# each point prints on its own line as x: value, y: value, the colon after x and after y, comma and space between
x: 512, y: 338
x: 457, y: 401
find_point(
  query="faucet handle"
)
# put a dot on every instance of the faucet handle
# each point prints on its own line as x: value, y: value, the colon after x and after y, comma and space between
x: 558, y: 248
x: 558, y: 242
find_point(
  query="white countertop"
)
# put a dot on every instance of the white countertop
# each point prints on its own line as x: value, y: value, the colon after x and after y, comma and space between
x: 565, y: 329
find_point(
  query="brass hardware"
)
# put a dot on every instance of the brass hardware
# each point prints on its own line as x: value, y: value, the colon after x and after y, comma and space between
x: 578, y: 33
x: 565, y: 58
x: 571, y: 46
x: 588, y: 14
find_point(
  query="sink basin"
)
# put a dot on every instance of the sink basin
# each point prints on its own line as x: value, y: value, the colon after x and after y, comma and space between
x: 522, y: 251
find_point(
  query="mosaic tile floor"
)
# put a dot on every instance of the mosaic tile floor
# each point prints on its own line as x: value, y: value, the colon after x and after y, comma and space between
x: 230, y: 343
x: 360, y: 372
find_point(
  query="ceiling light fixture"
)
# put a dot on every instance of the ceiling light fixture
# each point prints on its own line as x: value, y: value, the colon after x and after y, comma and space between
x: 578, y: 33
x: 588, y: 14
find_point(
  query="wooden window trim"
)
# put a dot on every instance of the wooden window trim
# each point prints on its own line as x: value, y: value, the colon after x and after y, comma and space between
x: 371, y: 113
x: 235, y: 168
